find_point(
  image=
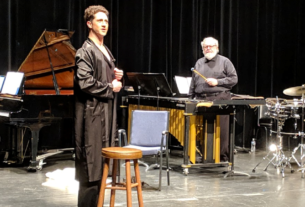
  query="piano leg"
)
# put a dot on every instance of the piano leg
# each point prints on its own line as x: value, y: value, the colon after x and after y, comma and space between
x: 35, y: 128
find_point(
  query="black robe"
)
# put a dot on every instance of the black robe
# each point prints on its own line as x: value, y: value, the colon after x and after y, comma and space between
x: 95, y: 110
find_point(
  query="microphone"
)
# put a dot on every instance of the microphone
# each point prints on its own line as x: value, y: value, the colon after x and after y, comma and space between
x: 195, y: 71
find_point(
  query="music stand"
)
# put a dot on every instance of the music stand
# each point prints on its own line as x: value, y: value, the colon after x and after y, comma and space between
x: 13, y: 83
x: 151, y: 84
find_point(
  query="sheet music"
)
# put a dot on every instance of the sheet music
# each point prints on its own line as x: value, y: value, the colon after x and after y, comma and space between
x: 12, y: 83
x: 4, y: 113
x: 183, y: 84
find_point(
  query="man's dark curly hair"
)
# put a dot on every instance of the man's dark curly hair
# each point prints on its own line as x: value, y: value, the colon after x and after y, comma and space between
x: 92, y: 10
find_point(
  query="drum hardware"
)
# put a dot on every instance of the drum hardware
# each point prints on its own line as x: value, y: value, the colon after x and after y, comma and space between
x: 281, y: 110
x: 299, y: 91
x: 276, y: 155
x: 288, y: 133
x: 300, y: 147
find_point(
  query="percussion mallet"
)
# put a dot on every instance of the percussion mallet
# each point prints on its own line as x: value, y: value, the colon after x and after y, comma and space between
x: 195, y: 71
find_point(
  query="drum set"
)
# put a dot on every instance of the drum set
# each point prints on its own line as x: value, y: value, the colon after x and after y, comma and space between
x: 280, y: 110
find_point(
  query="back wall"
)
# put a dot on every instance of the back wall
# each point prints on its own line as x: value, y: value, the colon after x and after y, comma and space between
x: 263, y: 39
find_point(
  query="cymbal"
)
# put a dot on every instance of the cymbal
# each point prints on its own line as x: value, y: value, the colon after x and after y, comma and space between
x: 294, y: 91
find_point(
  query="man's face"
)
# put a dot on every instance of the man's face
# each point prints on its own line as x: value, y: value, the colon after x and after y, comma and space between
x: 99, y: 25
x: 209, y: 48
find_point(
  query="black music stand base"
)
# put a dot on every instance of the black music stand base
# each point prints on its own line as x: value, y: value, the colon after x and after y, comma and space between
x: 242, y: 149
x: 233, y: 172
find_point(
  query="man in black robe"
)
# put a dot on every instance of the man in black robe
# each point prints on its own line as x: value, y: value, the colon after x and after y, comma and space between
x: 96, y: 83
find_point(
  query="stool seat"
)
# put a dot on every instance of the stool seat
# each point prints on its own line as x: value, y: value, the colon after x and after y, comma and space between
x: 116, y: 154
x: 121, y: 153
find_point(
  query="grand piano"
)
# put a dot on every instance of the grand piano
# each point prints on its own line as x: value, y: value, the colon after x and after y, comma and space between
x: 47, y: 97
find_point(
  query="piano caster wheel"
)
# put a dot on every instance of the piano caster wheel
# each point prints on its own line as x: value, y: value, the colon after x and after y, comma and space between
x: 185, y: 171
x: 40, y: 164
x: 36, y: 165
x: 253, y: 171
x: 39, y: 167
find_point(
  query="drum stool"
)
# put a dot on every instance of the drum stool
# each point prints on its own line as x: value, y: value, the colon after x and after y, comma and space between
x: 127, y: 154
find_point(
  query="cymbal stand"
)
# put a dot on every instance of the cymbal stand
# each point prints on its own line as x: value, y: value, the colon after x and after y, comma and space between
x: 302, y: 145
x: 278, y: 159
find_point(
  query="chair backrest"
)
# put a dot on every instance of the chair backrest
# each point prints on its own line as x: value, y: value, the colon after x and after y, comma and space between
x: 147, y: 127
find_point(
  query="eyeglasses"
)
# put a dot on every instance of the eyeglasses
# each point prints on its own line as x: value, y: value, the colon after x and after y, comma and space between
x: 208, y: 46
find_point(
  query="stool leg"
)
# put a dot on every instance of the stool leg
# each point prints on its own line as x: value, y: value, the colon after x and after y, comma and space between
x: 128, y: 183
x: 103, y: 184
x: 114, y: 172
x: 138, y: 179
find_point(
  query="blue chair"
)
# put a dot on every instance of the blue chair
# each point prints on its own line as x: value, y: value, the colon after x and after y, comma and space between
x: 149, y: 133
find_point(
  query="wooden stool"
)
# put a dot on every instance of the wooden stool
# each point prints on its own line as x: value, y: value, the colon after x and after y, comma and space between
x: 120, y: 153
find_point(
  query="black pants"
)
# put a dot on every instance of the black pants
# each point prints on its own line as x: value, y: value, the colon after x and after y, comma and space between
x: 224, y: 125
x: 88, y: 194
x: 224, y: 137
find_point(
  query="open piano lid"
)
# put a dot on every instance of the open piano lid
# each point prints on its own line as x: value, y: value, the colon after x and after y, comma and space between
x: 37, y: 65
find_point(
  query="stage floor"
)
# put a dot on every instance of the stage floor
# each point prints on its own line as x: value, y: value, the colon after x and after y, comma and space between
x: 55, y: 186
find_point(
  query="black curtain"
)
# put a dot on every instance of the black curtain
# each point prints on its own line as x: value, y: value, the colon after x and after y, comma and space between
x: 263, y: 39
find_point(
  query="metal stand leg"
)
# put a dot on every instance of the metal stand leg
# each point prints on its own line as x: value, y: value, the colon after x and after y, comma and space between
x: 231, y: 171
x: 243, y: 148
x: 278, y: 160
x: 301, y: 169
x: 264, y: 158
x: 300, y: 146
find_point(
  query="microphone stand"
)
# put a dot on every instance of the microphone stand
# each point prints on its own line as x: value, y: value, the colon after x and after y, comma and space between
x: 158, y: 91
x: 139, y: 95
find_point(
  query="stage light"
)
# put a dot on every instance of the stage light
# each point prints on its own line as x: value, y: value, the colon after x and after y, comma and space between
x: 62, y: 180
x: 272, y: 147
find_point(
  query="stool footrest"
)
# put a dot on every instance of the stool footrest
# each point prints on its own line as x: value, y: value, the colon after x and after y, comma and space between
x: 120, y: 186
